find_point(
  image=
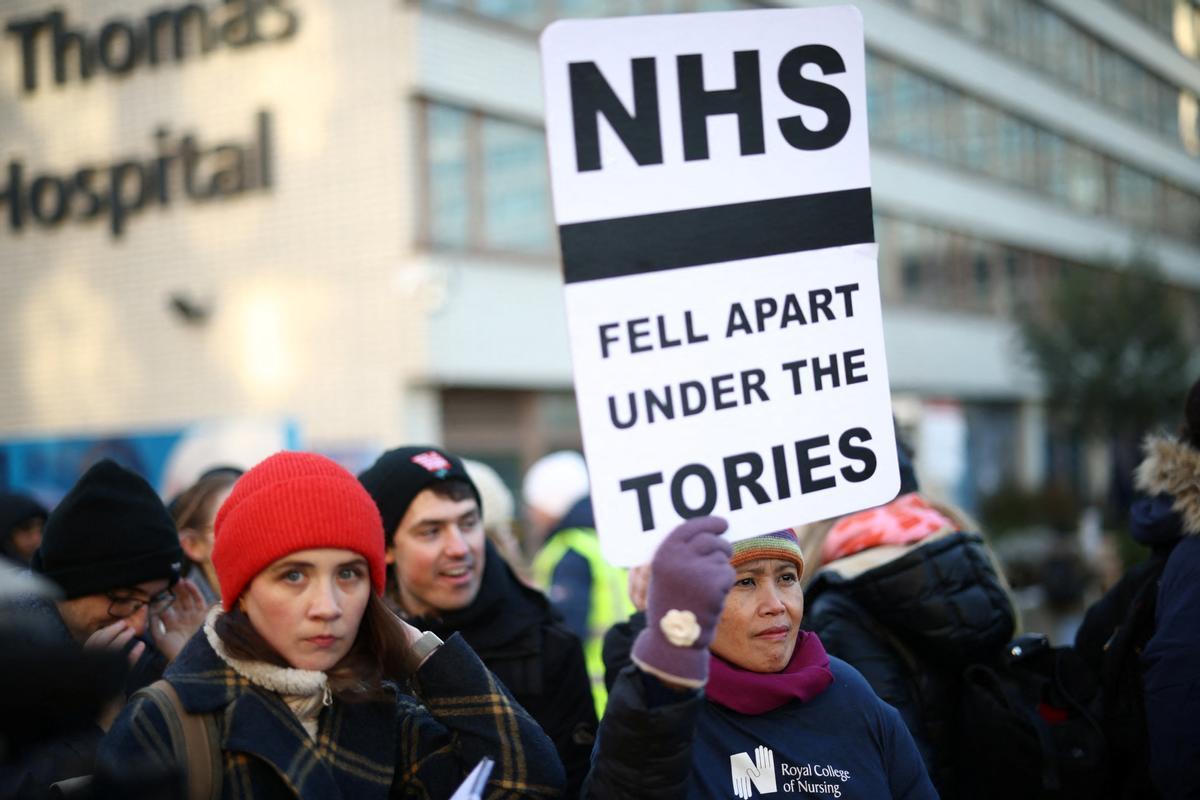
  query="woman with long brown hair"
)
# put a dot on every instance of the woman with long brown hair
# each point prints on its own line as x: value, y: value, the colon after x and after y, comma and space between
x: 194, y: 511
x: 311, y: 686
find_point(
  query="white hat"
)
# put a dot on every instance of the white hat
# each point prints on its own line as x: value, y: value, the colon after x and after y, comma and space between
x: 556, y: 482
x: 493, y: 494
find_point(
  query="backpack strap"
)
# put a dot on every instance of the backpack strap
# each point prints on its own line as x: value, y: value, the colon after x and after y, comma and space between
x: 195, y: 740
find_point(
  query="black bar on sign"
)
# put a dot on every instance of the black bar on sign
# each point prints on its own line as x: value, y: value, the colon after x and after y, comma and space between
x: 610, y: 248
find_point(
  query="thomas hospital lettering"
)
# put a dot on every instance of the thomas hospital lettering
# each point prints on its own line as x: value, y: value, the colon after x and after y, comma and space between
x: 181, y: 168
x: 121, y: 45
x: 55, y: 53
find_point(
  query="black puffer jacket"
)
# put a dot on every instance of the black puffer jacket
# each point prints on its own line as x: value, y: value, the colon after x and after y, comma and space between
x: 910, y: 619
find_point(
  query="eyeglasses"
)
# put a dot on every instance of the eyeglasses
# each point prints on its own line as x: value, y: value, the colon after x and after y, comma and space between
x: 122, y: 606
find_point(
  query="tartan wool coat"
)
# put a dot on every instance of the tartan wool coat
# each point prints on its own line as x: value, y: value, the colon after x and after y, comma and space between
x: 418, y: 746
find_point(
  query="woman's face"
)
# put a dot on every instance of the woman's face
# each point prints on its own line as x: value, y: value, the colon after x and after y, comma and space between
x: 308, y: 605
x: 197, y: 539
x: 761, y: 619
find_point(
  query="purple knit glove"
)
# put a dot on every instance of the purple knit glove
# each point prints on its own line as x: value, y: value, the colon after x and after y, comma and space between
x: 689, y: 578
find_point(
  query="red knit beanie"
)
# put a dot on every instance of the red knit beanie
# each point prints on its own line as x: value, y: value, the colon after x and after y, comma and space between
x: 290, y: 502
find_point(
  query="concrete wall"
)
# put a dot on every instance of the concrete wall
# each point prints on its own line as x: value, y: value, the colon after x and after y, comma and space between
x: 312, y: 315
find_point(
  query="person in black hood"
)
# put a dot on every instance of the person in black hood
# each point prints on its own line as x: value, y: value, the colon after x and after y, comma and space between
x: 111, y: 550
x: 445, y: 577
x: 909, y: 594
x: 21, y: 521
x: 55, y: 692
x: 1143, y: 636
x: 1113, y: 634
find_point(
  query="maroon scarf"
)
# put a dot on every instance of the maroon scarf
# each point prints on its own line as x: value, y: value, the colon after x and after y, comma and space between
x: 806, y: 676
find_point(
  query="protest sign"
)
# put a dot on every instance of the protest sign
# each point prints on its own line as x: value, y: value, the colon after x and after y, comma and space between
x: 712, y: 191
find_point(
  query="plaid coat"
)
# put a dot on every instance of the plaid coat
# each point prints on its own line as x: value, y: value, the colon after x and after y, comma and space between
x: 418, y: 748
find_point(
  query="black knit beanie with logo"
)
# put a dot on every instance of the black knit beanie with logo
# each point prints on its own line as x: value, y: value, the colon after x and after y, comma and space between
x: 398, y: 476
x: 111, y: 531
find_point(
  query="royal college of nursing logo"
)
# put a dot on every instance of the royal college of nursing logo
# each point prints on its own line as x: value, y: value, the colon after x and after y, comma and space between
x: 433, y: 461
x: 759, y: 773
x: 764, y: 775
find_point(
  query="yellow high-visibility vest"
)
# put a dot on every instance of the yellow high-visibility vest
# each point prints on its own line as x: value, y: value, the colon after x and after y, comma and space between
x: 608, y: 604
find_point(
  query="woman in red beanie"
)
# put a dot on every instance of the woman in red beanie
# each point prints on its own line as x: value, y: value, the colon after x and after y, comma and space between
x: 308, y: 685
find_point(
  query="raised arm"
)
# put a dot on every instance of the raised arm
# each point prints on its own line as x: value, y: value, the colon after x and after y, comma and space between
x: 467, y: 714
x: 645, y: 741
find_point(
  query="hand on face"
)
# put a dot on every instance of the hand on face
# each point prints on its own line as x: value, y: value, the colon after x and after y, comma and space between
x: 171, y: 629
x: 116, y: 636
x: 639, y: 585
x: 97, y: 620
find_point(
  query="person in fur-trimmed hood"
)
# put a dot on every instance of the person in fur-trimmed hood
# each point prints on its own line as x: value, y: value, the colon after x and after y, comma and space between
x: 1171, y: 660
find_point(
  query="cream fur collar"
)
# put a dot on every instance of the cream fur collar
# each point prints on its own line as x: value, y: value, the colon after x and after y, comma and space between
x: 281, y: 680
x: 1172, y: 467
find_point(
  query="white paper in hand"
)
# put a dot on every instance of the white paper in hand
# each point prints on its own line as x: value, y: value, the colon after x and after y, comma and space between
x: 472, y: 787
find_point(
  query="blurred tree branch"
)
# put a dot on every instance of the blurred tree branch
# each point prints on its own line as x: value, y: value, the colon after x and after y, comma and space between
x: 1108, y: 345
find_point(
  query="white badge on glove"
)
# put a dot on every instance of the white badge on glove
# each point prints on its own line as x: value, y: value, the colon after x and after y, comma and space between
x: 680, y: 627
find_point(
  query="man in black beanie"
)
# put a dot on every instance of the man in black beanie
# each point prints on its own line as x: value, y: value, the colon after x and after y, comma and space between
x: 447, y: 578
x: 113, y: 552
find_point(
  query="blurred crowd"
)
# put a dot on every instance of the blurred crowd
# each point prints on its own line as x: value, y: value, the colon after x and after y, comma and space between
x: 288, y: 628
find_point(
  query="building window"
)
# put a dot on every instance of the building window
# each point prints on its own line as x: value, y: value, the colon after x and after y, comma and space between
x: 487, y: 188
x: 533, y: 15
x: 1135, y: 196
x: 509, y: 429
x: 983, y: 277
x: 515, y: 188
x: 1177, y: 20
x: 1022, y: 29
x: 524, y: 13
x: 1057, y: 47
x: 448, y: 163
x: 917, y: 114
x: 923, y: 266
x: 911, y: 274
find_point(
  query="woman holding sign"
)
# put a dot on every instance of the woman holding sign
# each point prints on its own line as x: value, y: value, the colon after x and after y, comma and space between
x: 777, y: 713
x: 300, y: 679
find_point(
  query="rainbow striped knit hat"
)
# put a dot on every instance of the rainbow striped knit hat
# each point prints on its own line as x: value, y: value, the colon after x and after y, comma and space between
x: 781, y: 544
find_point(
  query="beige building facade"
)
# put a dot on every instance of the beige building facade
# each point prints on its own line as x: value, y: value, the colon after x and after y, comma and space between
x: 337, y: 213
x: 209, y: 216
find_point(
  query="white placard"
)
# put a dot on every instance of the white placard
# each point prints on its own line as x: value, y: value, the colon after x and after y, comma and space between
x: 712, y: 189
